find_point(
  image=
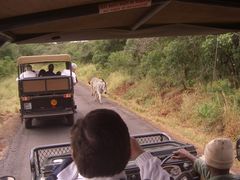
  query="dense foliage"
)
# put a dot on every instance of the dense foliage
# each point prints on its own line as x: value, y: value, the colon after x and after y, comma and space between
x: 167, y: 61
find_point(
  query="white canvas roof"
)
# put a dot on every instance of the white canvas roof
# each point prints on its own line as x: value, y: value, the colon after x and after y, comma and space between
x: 43, y: 58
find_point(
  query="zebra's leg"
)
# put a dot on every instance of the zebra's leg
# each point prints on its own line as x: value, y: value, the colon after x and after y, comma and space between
x: 95, y: 95
x: 99, y: 97
x: 92, y: 91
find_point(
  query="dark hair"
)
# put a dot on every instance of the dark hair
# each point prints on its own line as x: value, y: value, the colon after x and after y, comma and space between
x: 58, y: 73
x: 50, y: 67
x: 28, y: 67
x: 100, y: 143
x: 41, y: 73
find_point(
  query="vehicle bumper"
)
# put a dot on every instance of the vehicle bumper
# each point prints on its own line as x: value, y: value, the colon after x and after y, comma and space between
x: 47, y: 114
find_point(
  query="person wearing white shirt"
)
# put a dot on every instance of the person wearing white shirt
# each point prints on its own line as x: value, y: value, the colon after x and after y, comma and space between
x: 149, y: 165
x: 28, y: 72
x: 67, y: 72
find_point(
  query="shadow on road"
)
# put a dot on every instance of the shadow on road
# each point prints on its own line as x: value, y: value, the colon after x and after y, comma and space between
x: 50, y: 123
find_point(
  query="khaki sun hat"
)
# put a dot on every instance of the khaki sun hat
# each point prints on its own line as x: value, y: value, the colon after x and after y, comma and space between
x: 74, y: 66
x: 218, y: 153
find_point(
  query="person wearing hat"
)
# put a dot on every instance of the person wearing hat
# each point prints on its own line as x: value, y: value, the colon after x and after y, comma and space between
x: 216, y: 162
x: 66, y: 72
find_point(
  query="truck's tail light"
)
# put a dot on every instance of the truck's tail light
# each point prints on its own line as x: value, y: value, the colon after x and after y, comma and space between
x: 67, y: 95
x: 53, y: 102
x: 25, y: 98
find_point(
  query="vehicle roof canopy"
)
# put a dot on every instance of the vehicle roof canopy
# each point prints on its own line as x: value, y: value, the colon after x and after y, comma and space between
x: 43, y: 59
x: 36, y: 21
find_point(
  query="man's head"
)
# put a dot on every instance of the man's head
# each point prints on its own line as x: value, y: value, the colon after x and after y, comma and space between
x: 28, y: 67
x: 74, y: 67
x: 218, y: 154
x: 100, y: 143
x: 50, y: 67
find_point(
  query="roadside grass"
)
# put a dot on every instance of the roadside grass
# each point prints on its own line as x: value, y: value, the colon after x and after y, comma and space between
x: 9, y: 108
x: 86, y: 71
x: 9, y: 102
x: 117, y: 79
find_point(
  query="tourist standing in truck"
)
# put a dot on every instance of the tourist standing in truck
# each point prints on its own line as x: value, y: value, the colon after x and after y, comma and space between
x: 67, y: 72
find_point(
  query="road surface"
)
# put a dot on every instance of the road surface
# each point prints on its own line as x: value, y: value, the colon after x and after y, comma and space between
x: 16, y: 162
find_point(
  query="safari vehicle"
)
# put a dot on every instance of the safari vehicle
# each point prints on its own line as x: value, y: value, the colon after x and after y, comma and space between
x: 47, y: 96
x: 44, y: 159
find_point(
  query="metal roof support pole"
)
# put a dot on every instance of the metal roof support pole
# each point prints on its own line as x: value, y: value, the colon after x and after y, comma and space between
x: 4, y: 37
x: 149, y: 15
x: 229, y: 3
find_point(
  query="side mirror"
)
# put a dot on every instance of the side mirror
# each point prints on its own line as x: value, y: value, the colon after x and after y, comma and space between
x: 7, y: 178
x: 238, y: 149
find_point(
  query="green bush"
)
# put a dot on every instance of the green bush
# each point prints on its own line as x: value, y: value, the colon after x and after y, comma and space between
x: 119, y: 61
x: 209, y: 113
x: 220, y: 86
x: 7, y: 68
x: 206, y: 110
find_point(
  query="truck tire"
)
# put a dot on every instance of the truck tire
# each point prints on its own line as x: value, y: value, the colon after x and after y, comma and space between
x: 28, y: 123
x: 70, y: 120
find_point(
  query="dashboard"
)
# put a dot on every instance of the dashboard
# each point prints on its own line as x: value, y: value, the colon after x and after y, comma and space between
x: 175, y: 167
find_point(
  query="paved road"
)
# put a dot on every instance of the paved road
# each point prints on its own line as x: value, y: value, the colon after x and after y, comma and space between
x: 16, y: 162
